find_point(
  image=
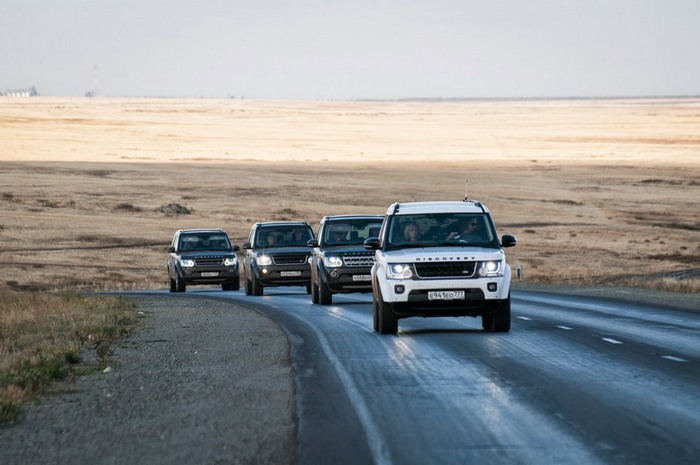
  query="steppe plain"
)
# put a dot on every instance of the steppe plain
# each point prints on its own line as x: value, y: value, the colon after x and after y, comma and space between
x: 598, y: 192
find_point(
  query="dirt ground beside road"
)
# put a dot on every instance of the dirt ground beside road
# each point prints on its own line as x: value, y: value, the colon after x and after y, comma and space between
x: 202, y: 382
x: 597, y: 192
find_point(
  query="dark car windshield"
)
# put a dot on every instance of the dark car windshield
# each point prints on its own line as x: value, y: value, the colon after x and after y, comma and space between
x: 350, y: 231
x: 283, y: 236
x: 441, y: 229
x: 204, y: 241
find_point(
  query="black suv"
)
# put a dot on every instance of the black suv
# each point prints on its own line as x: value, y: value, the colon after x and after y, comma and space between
x: 202, y: 256
x: 277, y: 254
x: 340, y: 263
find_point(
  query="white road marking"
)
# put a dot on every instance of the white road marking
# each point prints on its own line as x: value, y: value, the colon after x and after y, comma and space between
x: 674, y: 359
x: 611, y: 341
x: 565, y: 328
x: 524, y: 318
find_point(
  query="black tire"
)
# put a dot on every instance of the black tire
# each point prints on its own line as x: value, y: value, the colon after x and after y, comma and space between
x: 325, y: 296
x: 172, y: 285
x: 180, y: 285
x: 314, y: 293
x: 308, y: 288
x: 248, y: 287
x: 233, y: 286
x: 256, y: 286
x: 498, y: 322
x: 375, y: 314
x: 387, y: 322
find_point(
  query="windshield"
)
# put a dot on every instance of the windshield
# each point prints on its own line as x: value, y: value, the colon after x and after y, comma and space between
x: 441, y: 229
x: 283, y: 236
x: 204, y: 241
x: 350, y: 231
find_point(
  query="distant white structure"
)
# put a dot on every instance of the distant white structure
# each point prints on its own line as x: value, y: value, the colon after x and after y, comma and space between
x: 30, y: 92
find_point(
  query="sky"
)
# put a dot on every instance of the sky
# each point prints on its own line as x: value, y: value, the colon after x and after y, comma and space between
x: 351, y: 49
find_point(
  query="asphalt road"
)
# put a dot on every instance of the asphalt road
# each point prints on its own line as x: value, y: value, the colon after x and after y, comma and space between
x: 578, y: 380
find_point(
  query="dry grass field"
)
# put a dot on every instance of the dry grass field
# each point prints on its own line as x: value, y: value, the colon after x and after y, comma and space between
x: 597, y: 192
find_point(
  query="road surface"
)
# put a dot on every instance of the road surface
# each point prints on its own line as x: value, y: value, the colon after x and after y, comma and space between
x: 578, y: 380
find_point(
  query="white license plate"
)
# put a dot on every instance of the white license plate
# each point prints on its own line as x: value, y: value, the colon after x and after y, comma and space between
x: 290, y: 273
x: 446, y: 295
x: 210, y: 274
x: 361, y: 277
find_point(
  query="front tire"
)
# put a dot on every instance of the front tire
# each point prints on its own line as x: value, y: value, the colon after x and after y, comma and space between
x: 180, y: 285
x: 386, y: 321
x: 325, y: 296
x: 257, y: 286
x: 314, y: 293
x: 173, y: 288
x: 498, y: 322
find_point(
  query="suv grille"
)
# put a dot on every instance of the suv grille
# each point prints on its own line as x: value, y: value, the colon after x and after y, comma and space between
x: 359, y: 259
x: 209, y: 261
x: 295, y: 259
x: 446, y: 270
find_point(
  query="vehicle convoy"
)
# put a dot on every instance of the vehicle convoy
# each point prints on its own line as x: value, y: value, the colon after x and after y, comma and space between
x: 277, y: 254
x: 202, y: 256
x: 340, y: 262
x: 440, y: 259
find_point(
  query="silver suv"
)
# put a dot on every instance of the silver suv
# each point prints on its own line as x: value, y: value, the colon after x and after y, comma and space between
x: 202, y: 256
x: 440, y: 259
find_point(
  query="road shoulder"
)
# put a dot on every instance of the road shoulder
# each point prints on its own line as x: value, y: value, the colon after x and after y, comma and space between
x: 203, y: 381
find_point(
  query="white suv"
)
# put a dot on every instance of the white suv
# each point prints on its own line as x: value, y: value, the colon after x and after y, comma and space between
x: 440, y: 259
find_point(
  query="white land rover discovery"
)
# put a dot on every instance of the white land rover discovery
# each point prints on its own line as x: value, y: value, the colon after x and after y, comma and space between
x: 440, y: 259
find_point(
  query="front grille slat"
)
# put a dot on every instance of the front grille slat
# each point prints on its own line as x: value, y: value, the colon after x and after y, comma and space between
x: 217, y: 260
x: 291, y: 259
x: 357, y: 259
x: 446, y: 269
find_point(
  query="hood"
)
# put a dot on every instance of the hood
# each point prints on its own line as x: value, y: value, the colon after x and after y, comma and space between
x: 445, y: 254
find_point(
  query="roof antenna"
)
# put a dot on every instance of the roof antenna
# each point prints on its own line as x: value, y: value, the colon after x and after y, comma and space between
x: 466, y: 189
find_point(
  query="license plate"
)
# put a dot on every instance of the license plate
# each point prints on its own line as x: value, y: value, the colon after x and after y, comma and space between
x: 210, y: 274
x: 290, y: 273
x: 446, y: 295
x: 361, y: 277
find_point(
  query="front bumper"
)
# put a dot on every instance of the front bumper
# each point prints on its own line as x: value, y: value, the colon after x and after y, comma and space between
x: 348, y: 279
x: 274, y: 275
x: 209, y: 275
x: 411, y: 296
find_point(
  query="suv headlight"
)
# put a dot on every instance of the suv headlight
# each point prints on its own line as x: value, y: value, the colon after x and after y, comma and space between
x: 399, y: 271
x: 263, y: 260
x: 332, y: 261
x: 492, y: 268
x: 230, y: 261
x: 187, y: 262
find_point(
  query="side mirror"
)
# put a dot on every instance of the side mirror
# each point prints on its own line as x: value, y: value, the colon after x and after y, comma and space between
x: 171, y: 249
x: 508, y: 240
x: 312, y: 243
x: 371, y: 243
x: 236, y: 248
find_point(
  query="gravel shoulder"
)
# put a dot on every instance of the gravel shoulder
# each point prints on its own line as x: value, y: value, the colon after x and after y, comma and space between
x: 203, y: 381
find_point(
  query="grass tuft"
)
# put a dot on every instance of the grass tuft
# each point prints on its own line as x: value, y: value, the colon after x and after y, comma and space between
x: 42, y: 336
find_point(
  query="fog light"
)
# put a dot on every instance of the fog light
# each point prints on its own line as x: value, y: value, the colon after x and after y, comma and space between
x: 492, y: 287
x: 264, y: 271
x: 399, y: 289
x: 334, y: 274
